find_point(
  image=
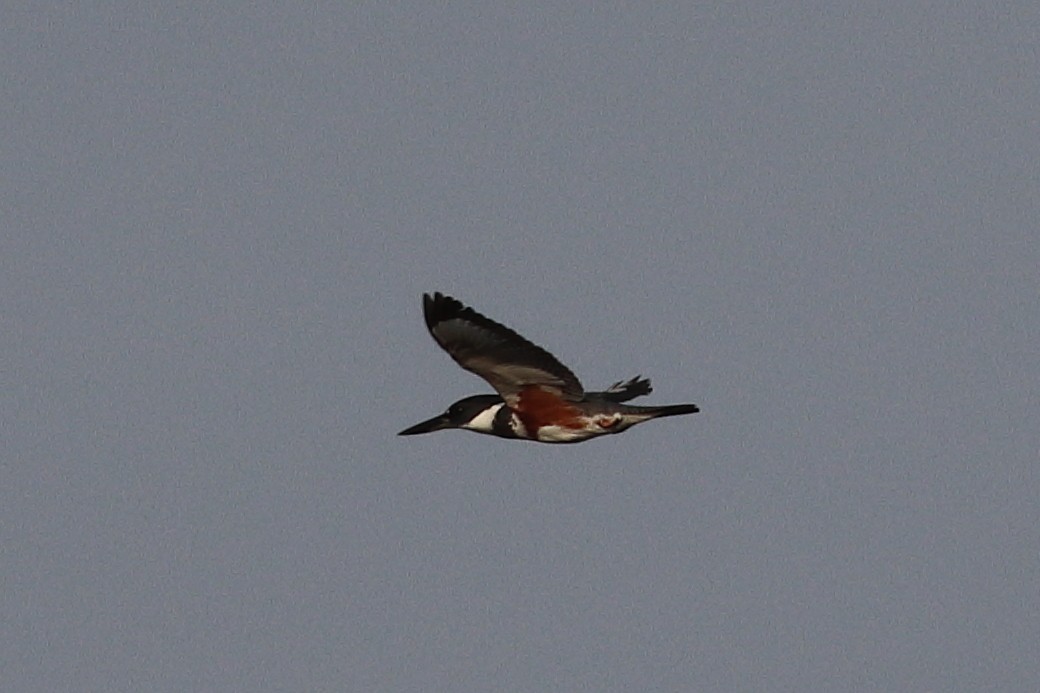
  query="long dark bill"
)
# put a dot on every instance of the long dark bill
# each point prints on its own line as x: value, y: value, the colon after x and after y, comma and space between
x: 437, y: 423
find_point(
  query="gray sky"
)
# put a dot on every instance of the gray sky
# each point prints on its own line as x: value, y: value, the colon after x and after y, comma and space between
x: 816, y: 220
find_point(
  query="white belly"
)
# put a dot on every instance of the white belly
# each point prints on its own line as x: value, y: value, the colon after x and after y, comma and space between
x: 562, y: 434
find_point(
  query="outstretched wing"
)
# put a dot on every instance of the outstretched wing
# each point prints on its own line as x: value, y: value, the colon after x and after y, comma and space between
x: 496, y: 353
x: 624, y: 390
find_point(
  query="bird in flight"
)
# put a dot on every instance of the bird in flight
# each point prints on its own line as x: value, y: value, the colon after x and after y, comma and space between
x: 538, y: 397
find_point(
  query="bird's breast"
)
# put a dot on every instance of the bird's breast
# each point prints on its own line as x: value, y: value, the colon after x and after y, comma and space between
x: 538, y: 408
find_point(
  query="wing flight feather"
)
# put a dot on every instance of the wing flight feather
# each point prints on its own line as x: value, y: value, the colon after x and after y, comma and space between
x: 494, y: 352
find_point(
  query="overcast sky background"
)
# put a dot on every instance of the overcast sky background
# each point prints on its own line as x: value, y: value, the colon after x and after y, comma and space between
x: 819, y: 221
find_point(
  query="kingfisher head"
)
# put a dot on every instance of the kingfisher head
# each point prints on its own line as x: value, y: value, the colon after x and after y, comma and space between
x: 476, y: 413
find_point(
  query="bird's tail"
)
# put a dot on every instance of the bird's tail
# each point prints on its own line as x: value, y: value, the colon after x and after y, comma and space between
x: 671, y: 410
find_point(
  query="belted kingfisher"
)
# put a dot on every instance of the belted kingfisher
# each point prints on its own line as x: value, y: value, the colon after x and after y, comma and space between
x: 538, y: 397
